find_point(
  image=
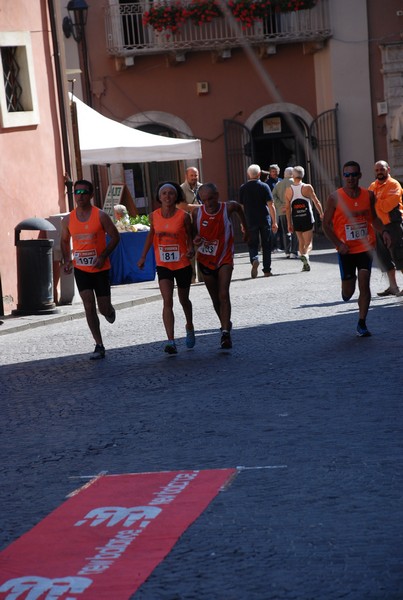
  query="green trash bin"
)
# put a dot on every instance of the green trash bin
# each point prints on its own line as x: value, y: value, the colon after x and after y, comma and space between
x: 34, y: 270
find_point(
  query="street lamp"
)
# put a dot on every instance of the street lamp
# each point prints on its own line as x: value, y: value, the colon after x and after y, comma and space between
x: 75, y: 23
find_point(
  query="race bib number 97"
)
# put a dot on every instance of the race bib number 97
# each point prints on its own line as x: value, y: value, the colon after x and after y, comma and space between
x: 169, y: 254
x: 85, y: 258
x: 356, y: 231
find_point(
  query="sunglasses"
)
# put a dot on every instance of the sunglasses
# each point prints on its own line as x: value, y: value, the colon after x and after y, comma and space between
x: 81, y: 192
x: 355, y: 174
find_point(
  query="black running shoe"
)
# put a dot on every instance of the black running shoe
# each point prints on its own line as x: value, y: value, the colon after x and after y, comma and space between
x: 226, y: 342
x: 230, y: 326
x: 170, y: 347
x: 98, y: 353
x: 362, y: 331
x: 112, y: 317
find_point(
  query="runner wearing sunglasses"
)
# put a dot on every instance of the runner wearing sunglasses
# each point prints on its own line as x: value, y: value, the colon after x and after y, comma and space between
x: 87, y: 226
x: 349, y: 222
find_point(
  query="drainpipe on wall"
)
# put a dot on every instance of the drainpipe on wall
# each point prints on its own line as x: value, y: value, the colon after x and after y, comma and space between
x: 61, y: 94
x: 1, y: 301
x: 83, y: 50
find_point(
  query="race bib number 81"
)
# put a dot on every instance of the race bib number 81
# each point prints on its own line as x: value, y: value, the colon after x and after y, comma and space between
x: 169, y: 254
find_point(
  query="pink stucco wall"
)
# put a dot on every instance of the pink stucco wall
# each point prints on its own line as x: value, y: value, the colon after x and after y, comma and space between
x: 31, y: 164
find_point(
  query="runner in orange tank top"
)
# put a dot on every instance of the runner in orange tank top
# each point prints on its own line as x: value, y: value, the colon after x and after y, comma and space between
x: 348, y: 222
x: 215, y: 254
x: 171, y: 237
x: 87, y: 226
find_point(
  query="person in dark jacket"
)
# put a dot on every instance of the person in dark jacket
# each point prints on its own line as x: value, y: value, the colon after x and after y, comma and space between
x: 260, y: 214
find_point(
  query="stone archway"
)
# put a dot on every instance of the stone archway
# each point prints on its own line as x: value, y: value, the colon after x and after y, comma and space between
x: 280, y: 133
x: 147, y: 175
x: 278, y: 107
x: 151, y: 117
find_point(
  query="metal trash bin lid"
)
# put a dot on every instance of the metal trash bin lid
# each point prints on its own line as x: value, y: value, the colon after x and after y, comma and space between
x: 35, y: 223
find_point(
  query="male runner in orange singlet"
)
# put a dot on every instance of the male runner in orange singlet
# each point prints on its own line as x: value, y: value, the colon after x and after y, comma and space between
x: 349, y: 222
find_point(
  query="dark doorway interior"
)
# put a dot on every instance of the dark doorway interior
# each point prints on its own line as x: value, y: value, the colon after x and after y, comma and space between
x: 275, y: 142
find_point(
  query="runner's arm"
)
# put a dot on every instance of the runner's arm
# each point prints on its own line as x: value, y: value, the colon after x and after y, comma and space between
x: 315, y: 200
x: 147, y: 244
x: 238, y: 208
x: 65, y: 245
x: 189, y: 236
x: 288, y: 198
x: 110, y: 229
x: 273, y: 216
x: 376, y: 221
x: 327, y: 225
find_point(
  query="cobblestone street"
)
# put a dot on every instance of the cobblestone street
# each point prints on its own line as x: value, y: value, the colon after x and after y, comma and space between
x: 310, y: 413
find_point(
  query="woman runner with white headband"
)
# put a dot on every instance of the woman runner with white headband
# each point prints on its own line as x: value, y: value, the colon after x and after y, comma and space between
x: 171, y: 236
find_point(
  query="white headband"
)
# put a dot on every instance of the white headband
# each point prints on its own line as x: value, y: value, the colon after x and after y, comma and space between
x: 167, y: 185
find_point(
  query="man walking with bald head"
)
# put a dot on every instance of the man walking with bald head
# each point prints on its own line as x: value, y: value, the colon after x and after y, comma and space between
x: 191, y: 186
x: 257, y: 201
x: 389, y: 209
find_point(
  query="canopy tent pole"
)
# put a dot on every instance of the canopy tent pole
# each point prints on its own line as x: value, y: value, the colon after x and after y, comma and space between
x: 109, y: 199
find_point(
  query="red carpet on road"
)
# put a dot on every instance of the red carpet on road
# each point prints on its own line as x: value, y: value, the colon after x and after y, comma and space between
x: 104, y: 542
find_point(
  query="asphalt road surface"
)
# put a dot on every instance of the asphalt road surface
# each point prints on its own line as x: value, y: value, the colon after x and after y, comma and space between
x: 310, y: 413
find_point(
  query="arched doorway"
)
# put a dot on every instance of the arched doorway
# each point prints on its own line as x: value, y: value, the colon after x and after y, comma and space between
x: 145, y: 177
x: 287, y: 135
x: 278, y: 140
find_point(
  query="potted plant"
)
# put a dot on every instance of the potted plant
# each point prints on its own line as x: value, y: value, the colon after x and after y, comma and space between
x: 203, y: 11
x: 294, y: 5
x: 166, y: 16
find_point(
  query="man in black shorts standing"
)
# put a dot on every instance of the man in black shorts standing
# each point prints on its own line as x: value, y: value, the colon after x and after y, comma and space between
x: 87, y: 226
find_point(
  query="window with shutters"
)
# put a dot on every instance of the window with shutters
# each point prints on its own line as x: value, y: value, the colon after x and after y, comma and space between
x: 18, y: 100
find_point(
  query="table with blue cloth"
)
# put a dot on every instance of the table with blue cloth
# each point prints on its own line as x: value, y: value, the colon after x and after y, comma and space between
x: 124, y: 259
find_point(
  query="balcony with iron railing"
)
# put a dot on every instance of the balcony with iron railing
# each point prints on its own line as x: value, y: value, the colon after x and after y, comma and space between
x: 128, y: 36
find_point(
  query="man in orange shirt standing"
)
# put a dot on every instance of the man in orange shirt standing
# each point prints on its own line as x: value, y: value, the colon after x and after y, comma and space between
x: 348, y: 223
x: 389, y: 209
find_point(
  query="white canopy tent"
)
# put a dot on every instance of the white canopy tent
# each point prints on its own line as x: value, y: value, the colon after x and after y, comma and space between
x: 104, y: 141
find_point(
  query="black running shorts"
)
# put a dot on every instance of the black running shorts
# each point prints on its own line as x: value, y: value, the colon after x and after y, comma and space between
x: 183, y: 276
x: 99, y: 282
x: 350, y: 263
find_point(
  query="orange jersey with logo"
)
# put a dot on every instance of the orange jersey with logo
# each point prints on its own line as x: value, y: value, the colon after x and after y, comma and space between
x: 352, y: 221
x: 388, y: 205
x: 170, y: 240
x: 216, y: 232
x: 89, y: 241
